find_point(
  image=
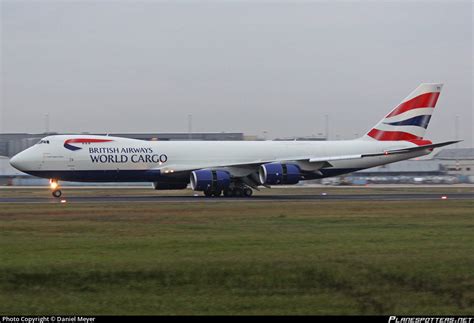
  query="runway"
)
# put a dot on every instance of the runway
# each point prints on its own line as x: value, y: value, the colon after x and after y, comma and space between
x: 255, y: 198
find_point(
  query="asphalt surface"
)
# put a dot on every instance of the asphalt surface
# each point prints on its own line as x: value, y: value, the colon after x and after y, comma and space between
x: 255, y: 198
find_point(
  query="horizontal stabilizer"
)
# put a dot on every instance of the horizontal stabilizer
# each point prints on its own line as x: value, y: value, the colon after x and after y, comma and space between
x: 412, y: 149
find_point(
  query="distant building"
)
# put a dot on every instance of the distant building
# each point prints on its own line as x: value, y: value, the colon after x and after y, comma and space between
x: 7, y: 172
x: 428, y: 167
x: 447, y: 166
x: 310, y: 138
x: 459, y: 162
x: 252, y: 138
x: 209, y: 136
x: 403, y: 172
x: 12, y: 143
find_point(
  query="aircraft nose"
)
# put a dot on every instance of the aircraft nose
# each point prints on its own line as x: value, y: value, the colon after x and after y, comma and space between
x: 14, y: 161
x: 19, y: 161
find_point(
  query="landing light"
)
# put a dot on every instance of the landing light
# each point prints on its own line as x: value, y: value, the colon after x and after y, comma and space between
x: 53, y: 185
x: 63, y: 201
x: 444, y: 197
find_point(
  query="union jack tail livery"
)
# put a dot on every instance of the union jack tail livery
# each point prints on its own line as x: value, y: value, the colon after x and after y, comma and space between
x: 409, y: 120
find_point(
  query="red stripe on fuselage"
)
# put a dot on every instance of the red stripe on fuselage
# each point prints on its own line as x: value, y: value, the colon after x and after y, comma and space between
x: 427, y: 100
x: 391, y: 135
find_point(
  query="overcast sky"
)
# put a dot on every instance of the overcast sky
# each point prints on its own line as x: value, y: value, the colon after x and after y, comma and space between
x: 280, y: 67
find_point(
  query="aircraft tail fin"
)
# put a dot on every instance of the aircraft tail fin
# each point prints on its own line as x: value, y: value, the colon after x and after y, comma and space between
x: 409, y: 120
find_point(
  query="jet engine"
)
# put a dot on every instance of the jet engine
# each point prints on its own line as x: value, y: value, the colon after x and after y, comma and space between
x: 210, y: 180
x: 279, y: 174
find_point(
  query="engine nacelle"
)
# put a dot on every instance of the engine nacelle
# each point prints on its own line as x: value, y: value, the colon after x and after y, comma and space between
x: 212, y: 180
x: 169, y: 186
x: 279, y: 174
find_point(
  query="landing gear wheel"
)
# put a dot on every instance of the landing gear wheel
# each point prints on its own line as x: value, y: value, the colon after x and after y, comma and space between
x: 227, y: 193
x: 57, y: 193
x: 217, y: 193
x: 248, y: 192
x: 208, y: 193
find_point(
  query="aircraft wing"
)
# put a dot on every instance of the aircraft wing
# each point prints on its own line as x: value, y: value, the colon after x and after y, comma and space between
x: 333, y: 158
x: 324, y: 161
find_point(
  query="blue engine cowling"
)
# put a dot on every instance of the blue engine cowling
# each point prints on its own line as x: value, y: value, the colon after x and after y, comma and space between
x: 212, y: 180
x: 279, y: 174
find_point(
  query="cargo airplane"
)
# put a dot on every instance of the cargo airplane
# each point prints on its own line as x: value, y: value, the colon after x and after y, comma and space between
x: 232, y: 168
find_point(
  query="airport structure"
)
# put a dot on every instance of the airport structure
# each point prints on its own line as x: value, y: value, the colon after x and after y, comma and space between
x: 448, y: 166
x: 458, y: 162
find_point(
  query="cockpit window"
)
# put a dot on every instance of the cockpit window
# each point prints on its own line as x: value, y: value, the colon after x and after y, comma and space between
x: 42, y: 141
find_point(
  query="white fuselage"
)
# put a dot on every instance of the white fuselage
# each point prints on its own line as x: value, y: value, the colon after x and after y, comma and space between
x: 104, y: 158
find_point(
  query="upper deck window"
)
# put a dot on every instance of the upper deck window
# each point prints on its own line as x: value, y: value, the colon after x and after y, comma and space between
x: 42, y: 141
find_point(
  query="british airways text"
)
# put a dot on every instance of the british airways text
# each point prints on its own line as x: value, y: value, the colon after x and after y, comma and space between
x: 125, y: 155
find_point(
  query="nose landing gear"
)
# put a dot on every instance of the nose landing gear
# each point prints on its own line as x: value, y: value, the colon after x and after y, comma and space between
x: 54, y: 185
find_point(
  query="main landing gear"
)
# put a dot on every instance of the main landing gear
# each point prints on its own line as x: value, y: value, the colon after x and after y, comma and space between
x: 230, y: 192
x: 54, y: 185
